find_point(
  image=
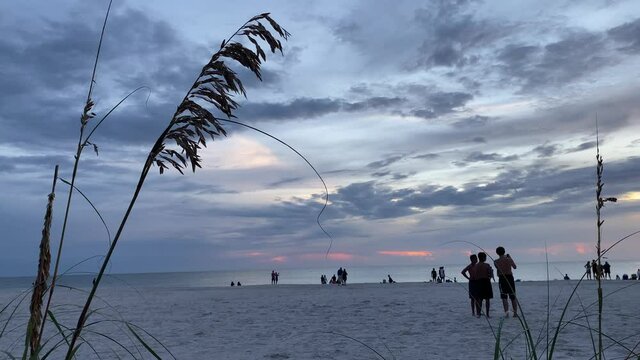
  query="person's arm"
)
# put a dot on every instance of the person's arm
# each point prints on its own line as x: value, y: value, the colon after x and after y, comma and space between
x: 464, y: 271
x: 513, y: 263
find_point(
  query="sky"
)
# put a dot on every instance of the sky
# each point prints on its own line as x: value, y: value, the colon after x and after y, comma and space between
x: 440, y: 127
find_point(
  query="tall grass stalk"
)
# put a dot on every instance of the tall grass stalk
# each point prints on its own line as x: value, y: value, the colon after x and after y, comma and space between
x: 600, y: 201
x: 192, y: 122
x: 87, y: 114
x: 44, y: 263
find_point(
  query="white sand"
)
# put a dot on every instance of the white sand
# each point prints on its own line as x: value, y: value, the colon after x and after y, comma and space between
x: 402, y: 321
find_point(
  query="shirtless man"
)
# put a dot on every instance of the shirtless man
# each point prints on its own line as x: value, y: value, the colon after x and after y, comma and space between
x: 504, y: 264
x: 469, y: 273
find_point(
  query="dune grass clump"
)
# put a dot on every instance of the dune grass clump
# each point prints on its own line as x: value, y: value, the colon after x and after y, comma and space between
x: 210, y: 100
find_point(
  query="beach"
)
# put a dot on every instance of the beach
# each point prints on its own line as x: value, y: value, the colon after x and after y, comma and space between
x: 398, y: 321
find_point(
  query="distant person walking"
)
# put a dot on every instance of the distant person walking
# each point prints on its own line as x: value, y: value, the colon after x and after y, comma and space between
x: 434, y: 275
x: 470, y: 274
x: 587, y: 268
x: 441, y: 273
x: 607, y: 270
x: 484, y: 274
x: 504, y: 264
x: 594, y: 269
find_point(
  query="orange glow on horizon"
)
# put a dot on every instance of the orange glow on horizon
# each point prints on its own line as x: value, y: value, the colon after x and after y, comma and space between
x: 409, y: 253
x: 581, y: 249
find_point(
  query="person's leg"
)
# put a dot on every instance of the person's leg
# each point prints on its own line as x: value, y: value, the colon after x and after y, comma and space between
x: 488, y: 306
x: 478, y: 307
x: 473, y: 307
x: 505, y: 305
x: 514, y: 304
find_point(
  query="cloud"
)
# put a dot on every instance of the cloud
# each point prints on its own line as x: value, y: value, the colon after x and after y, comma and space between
x: 627, y: 34
x: 574, y: 56
x: 406, y: 253
x: 385, y: 162
x: 545, y: 150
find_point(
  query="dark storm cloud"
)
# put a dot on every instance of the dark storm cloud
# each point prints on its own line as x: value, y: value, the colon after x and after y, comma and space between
x: 385, y: 162
x: 441, y: 103
x: 478, y: 156
x: 452, y: 34
x: 558, y: 63
x: 563, y: 189
x: 584, y: 146
x: 627, y: 35
x: 284, y: 182
x: 545, y: 150
x: 48, y: 72
x: 428, y: 156
x: 310, y: 108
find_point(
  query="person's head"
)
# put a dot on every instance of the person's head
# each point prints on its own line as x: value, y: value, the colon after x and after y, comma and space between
x: 473, y: 258
x: 482, y: 256
x: 500, y: 251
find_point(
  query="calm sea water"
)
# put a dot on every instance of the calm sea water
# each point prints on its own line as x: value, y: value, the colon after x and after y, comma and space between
x: 369, y: 274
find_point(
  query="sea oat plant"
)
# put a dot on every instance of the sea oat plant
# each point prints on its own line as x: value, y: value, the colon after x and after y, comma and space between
x: 179, y: 144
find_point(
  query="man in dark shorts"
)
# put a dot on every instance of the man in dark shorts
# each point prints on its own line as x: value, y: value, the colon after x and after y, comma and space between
x: 504, y: 264
x: 483, y: 288
x: 470, y: 274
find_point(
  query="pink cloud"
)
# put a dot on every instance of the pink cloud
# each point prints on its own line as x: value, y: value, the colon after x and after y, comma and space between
x: 279, y: 259
x: 409, y: 253
x: 333, y: 256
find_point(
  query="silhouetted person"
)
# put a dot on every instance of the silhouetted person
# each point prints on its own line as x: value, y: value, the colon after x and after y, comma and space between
x: 484, y: 273
x: 277, y: 277
x: 273, y: 277
x: 617, y: 277
x: 566, y: 277
x: 587, y: 268
x: 239, y: 283
x: 504, y: 264
x: 441, y: 273
x: 434, y: 275
x: 344, y: 276
x: 233, y: 284
x: 594, y: 269
x: 607, y: 270
x: 333, y: 279
x: 390, y: 279
x: 469, y: 274
x: 339, y: 279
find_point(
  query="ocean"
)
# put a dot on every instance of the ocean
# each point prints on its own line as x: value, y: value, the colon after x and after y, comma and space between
x: 364, y: 274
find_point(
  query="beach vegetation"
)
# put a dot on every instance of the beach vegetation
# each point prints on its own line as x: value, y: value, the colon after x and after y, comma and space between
x: 198, y: 117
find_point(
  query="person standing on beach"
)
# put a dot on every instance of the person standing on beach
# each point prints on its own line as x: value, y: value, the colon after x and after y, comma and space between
x: 277, y: 276
x: 484, y: 290
x: 507, y: 284
x: 470, y: 274
x: 273, y: 277
x: 344, y: 276
x: 434, y: 274
x: 339, y: 276
x: 441, y: 273
x: 594, y: 269
x: 588, y: 270
x: 607, y: 270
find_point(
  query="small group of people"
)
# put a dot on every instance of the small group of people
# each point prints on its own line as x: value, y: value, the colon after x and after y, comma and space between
x: 599, y: 271
x: 340, y: 279
x: 234, y: 284
x: 480, y: 274
x: 275, y: 276
x: 390, y: 281
x: 438, y: 276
